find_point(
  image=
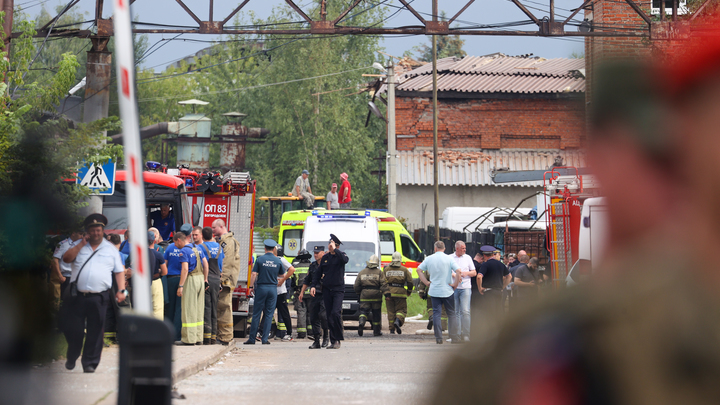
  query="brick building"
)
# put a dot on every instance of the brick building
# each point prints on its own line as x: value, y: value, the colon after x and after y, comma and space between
x: 495, y: 111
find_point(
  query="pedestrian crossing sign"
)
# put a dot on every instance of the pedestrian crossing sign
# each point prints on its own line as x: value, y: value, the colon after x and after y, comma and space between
x: 99, y: 178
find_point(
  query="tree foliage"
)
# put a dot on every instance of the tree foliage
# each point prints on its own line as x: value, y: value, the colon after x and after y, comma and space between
x: 305, y: 90
x: 38, y: 147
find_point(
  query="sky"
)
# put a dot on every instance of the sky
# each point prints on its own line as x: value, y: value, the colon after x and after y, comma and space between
x: 480, y: 12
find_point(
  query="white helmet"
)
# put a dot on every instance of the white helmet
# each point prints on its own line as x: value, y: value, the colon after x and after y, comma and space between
x: 396, y: 259
x: 374, y: 262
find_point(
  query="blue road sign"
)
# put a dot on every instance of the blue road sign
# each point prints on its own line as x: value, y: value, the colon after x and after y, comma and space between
x: 100, y: 178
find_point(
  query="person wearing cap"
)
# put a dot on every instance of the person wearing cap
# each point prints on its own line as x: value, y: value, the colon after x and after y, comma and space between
x: 228, y: 280
x: 370, y: 285
x: 315, y: 304
x: 61, y: 270
x: 443, y: 277
x: 215, y: 257
x: 332, y: 198
x: 173, y: 307
x: 344, y: 193
x: 164, y: 221
x: 491, y: 279
x: 263, y: 283
x: 158, y: 269
x: 332, y: 274
x: 193, y: 282
x: 302, y: 189
x: 94, y: 260
x: 398, y: 277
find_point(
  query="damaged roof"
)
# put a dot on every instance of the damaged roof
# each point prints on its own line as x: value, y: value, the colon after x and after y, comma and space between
x: 499, y: 73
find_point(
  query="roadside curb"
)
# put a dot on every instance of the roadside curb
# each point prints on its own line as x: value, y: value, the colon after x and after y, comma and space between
x: 190, y: 369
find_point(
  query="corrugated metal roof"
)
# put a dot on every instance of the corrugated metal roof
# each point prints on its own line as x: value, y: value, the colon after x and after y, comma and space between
x: 416, y: 167
x: 499, y: 74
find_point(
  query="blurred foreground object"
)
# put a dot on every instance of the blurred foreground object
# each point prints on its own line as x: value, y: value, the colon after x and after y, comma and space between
x: 646, y: 328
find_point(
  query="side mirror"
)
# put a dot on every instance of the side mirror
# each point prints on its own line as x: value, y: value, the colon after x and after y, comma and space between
x: 196, y: 214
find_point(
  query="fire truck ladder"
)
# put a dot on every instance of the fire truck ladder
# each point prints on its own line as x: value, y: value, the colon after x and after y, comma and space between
x: 560, y: 250
x: 558, y: 187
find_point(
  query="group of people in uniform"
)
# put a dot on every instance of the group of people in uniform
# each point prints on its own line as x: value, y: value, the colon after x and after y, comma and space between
x: 203, y: 267
x: 326, y: 281
x: 193, y: 279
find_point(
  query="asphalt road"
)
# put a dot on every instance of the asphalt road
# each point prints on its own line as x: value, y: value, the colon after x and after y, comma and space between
x: 390, y: 369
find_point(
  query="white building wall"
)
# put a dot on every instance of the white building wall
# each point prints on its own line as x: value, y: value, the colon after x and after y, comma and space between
x: 410, y: 200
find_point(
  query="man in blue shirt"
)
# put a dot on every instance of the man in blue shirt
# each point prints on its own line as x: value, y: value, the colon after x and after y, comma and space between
x: 444, y: 278
x: 164, y: 221
x: 173, y: 255
x: 265, y: 272
x: 215, y: 256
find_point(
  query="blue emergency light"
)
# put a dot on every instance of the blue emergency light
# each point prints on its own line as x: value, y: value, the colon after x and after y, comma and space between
x: 333, y: 216
x: 188, y: 183
x: 153, y: 166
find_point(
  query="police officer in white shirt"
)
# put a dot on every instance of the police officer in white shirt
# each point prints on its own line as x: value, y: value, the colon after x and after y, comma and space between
x: 93, y: 261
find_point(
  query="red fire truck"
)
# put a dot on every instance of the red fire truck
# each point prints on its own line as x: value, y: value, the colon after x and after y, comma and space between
x: 566, y: 190
x: 198, y: 199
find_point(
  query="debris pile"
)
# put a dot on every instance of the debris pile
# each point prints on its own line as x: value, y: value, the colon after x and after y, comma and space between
x: 455, y: 157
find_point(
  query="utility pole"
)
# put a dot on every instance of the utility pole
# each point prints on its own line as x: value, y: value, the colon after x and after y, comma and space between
x: 435, y: 129
x: 97, y: 98
x: 392, y: 170
x: 7, y: 6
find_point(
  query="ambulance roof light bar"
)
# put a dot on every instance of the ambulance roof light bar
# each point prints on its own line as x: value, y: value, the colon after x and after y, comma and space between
x: 316, y: 213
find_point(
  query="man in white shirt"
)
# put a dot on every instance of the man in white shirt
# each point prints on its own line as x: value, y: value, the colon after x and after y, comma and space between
x: 464, y: 289
x: 61, y: 270
x: 94, y: 261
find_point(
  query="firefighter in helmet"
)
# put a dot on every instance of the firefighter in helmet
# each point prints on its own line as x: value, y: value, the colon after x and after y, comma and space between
x: 370, y: 285
x: 397, y: 277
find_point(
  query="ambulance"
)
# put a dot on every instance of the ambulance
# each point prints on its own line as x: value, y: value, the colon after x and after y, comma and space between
x: 393, y: 236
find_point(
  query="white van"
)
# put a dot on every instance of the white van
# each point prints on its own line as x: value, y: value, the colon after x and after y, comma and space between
x: 457, y: 218
x: 592, y: 240
x: 360, y: 240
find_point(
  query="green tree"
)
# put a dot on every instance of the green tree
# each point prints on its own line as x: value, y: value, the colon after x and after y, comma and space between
x: 303, y: 89
x: 48, y: 60
x: 447, y: 46
x: 39, y: 148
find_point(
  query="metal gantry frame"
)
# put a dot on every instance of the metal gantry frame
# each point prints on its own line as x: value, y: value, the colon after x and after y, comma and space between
x: 547, y: 26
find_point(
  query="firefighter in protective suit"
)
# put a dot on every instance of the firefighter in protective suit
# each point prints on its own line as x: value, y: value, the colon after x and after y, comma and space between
x: 370, y: 285
x: 301, y: 264
x: 397, y: 277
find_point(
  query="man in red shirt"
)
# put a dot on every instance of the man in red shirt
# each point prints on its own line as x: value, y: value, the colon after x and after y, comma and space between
x: 344, y: 193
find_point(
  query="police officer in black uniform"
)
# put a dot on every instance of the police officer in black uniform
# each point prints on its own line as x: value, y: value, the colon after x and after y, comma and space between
x: 315, y: 305
x: 332, y: 273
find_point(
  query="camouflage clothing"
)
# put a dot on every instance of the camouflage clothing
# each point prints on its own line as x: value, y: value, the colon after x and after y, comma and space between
x: 652, y: 339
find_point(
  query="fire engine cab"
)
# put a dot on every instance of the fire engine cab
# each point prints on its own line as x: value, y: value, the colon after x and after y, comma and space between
x: 197, y: 199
